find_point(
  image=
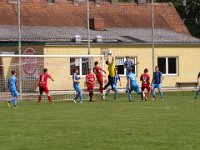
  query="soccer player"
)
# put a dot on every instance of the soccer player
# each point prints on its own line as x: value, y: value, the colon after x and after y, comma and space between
x: 111, y: 70
x: 133, y: 85
x: 156, y: 83
x: 115, y: 87
x: 98, y: 72
x: 145, y: 79
x: 76, y: 86
x: 13, y: 85
x: 197, y: 94
x: 128, y: 64
x: 43, y: 78
x: 90, y: 79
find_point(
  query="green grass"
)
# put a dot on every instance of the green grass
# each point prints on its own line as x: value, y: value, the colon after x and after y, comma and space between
x: 172, y: 124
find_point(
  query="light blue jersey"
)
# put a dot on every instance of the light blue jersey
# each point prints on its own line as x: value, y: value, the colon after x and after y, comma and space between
x: 131, y: 76
x: 12, y: 83
x: 77, y: 87
x: 128, y: 64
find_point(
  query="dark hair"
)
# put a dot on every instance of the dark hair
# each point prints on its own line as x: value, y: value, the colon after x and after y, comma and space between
x: 74, y: 70
x: 127, y: 57
x: 89, y: 69
x: 13, y: 72
x: 156, y: 67
x: 45, y: 70
x: 96, y: 63
x: 146, y: 70
x: 107, y: 61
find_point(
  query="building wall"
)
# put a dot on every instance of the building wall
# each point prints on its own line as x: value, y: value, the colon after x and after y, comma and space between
x: 59, y: 68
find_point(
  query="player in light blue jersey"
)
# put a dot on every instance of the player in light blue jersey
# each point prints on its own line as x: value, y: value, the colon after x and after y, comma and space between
x: 198, y: 92
x: 156, y: 83
x: 76, y: 86
x: 115, y: 81
x: 13, y: 85
x: 133, y: 85
x: 128, y: 64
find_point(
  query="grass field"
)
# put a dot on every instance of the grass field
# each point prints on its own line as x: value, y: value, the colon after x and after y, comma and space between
x: 172, y: 124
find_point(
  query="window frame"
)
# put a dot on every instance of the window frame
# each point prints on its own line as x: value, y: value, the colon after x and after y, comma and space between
x: 124, y: 58
x: 167, y: 65
x: 80, y: 67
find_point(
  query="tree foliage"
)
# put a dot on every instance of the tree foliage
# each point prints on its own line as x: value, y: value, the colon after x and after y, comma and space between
x: 189, y: 11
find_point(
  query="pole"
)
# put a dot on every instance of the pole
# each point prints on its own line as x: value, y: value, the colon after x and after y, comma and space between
x: 88, y: 25
x: 19, y: 46
x: 152, y: 32
x: 88, y: 29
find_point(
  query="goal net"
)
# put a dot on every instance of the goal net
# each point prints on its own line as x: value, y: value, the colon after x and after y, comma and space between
x: 60, y: 67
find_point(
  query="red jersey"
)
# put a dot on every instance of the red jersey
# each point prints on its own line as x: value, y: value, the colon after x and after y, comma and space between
x: 145, y: 78
x: 43, y: 77
x: 90, y: 78
x: 98, y: 71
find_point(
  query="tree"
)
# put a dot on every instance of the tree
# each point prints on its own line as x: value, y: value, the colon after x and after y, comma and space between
x: 189, y: 11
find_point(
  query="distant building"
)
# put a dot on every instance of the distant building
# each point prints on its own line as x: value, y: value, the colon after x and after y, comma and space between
x: 124, y: 28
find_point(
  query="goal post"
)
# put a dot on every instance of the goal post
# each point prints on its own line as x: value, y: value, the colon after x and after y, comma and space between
x: 59, y: 66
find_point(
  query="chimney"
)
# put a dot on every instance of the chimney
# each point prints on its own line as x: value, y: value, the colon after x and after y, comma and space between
x: 141, y: 2
x: 97, y: 24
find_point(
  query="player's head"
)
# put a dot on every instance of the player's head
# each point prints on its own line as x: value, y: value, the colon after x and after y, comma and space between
x: 89, y: 70
x: 96, y: 63
x: 156, y: 68
x: 13, y: 72
x: 75, y: 70
x: 127, y: 58
x: 129, y: 70
x: 45, y: 70
x: 107, y: 62
x: 146, y: 70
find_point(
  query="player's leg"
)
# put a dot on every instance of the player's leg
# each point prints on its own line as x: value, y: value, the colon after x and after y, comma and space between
x: 148, y: 92
x: 160, y: 91
x: 108, y: 90
x: 77, y: 92
x: 91, y: 93
x: 41, y: 90
x: 154, y: 86
x: 129, y: 93
x: 100, y: 81
x: 46, y: 90
x: 115, y: 91
x: 108, y: 84
x: 80, y: 94
x: 138, y: 91
x: 197, y: 93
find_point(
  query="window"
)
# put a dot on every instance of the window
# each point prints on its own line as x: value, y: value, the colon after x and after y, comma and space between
x: 51, y: 1
x: 119, y: 63
x: 168, y: 65
x: 82, y: 64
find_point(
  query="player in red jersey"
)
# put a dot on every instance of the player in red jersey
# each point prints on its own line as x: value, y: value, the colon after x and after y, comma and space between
x: 43, y: 77
x: 145, y: 79
x: 90, y: 79
x: 98, y: 72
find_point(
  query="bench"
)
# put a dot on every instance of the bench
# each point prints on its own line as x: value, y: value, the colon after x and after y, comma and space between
x: 180, y: 84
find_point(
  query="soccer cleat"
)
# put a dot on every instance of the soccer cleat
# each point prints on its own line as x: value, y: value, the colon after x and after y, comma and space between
x: 74, y: 101
x: 81, y: 102
x: 8, y: 103
x: 153, y: 98
x: 162, y: 99
x: 103, y: 97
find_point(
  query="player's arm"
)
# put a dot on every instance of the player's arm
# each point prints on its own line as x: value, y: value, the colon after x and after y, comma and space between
x: 162, y: 77
x: 17, y: 83
x: 198, y: 78
x: 120, y: 84
x: 137, y: 63
x: 152, y: 79
x: 8, y: 83
x: 128, y: 81
x: 141, y: 78
x: 74, y: 79
x: 50, y: 77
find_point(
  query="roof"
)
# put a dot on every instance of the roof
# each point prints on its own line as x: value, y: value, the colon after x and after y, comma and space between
x: 110, y: 35
x: 64, y: 13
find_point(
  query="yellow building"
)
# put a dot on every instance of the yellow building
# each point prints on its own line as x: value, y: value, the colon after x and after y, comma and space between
x: 176, y: 52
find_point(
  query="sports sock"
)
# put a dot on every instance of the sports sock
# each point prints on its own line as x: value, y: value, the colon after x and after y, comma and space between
x: 49, y: 99
x: 39, y: 99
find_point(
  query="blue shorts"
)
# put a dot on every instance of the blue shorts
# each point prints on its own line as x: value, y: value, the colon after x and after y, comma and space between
x: 115, y: 87
x: 135, y: 87
x: 14, y: 93
x: 154, y: 86
x: 77, y: 88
